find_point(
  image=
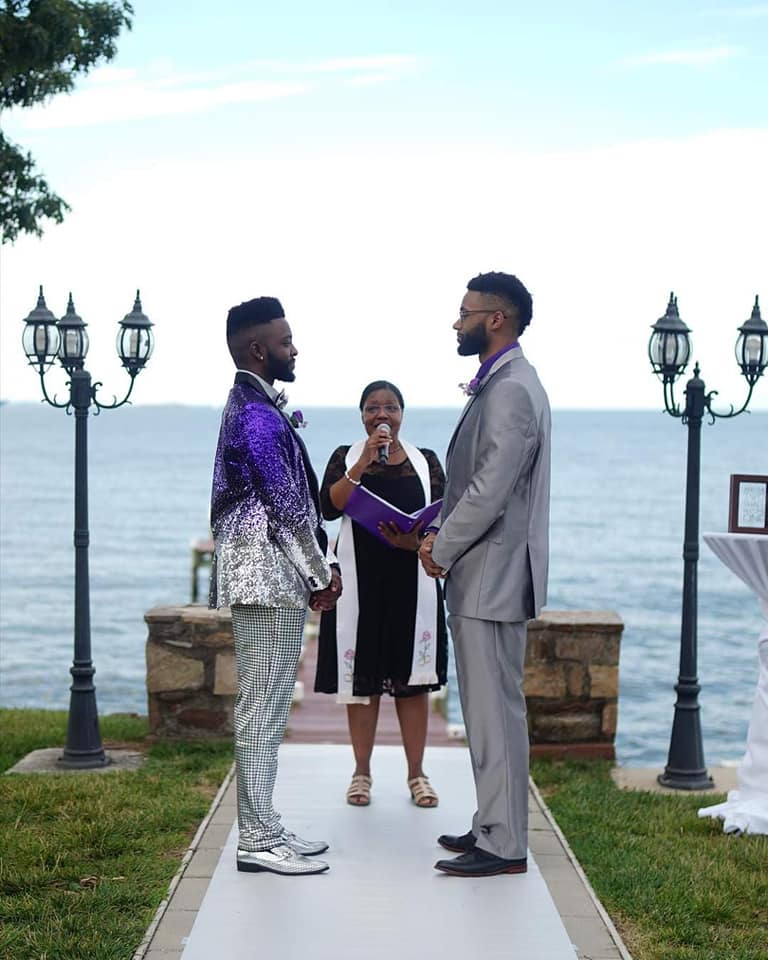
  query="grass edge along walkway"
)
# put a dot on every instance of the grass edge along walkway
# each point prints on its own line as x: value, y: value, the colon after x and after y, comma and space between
x: 88, y: 859
x: 676, y: 886
x: 149, y: 933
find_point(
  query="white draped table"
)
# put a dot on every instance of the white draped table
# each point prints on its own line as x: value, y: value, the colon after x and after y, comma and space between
x: 746, y: 809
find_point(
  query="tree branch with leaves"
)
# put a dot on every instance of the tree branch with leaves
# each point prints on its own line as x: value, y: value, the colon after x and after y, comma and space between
x: 45, y: 45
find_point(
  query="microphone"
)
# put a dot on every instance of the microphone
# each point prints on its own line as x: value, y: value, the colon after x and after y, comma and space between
x: 385, y: 432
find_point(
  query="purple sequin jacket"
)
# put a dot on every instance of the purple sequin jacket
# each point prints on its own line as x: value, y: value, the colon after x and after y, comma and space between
x: 269, y: 543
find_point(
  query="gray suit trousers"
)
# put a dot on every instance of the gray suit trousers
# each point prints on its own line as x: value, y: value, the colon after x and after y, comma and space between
x: 489, y: 666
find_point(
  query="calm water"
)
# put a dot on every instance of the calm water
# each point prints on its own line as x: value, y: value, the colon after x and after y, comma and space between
x: 617, y: 521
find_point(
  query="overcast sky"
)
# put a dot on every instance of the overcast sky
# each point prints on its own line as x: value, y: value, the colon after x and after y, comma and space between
x: 362, y: 161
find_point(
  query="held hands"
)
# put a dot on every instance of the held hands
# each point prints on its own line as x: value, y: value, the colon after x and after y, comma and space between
x: 425, y: 555
x: 395, y: 537
x: 326, y: 599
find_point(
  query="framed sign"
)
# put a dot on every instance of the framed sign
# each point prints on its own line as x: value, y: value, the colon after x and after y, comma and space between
x: 748, y: 511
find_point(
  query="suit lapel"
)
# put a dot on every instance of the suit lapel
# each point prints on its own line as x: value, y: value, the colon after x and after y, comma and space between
x: 314, y: 488
x: 501, y: 362
x: 463, y: 414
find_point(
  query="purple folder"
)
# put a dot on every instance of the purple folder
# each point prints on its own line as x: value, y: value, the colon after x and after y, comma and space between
x: 369, y: 511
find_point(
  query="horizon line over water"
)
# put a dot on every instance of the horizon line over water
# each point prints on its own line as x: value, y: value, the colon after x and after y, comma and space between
x: 616, y: 544
x: 9, y: 401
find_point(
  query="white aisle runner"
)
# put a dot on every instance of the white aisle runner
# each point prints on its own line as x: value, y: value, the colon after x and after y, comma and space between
x: 381, y: 898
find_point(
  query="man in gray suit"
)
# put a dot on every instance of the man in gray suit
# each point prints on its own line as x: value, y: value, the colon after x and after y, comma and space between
x: 491, y: 545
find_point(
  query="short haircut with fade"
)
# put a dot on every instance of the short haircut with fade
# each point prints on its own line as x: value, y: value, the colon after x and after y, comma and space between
x: 508, y: 288
x: 253, y: 312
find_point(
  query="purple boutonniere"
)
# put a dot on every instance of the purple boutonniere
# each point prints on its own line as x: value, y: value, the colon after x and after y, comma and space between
x: 470, y: 389
x: 297, y: 419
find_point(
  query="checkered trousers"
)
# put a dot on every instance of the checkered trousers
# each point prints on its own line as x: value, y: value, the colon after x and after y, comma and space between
x: 267, y: 647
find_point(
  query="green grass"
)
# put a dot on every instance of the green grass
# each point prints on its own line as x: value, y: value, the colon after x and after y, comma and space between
x: 86, y: 858
x: 677, y: 887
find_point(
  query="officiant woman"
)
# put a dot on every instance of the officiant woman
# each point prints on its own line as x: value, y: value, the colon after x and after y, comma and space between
x: 387, y: 634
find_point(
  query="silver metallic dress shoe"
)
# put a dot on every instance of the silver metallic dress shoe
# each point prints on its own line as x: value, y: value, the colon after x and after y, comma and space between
x: 308, y: 848
x: 280, y: 859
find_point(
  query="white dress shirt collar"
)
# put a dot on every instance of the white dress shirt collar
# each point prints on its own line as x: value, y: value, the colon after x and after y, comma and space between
x: 270, y: 391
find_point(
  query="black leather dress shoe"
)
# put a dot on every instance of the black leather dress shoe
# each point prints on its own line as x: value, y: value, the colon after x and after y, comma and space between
x: 480, y: 863
x: 458, y: 844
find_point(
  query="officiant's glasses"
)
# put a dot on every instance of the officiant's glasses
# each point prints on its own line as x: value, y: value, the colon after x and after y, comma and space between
x: 375, y: 408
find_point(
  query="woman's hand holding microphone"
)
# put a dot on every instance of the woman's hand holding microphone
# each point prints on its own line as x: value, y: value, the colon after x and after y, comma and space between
x: 379, y: 440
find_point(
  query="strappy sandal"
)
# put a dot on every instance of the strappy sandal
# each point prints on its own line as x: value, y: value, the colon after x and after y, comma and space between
x: 422, y: 793
x: 359, y: 792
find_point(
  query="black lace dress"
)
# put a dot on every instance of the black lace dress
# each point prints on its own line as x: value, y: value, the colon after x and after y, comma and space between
x: 386, y: 586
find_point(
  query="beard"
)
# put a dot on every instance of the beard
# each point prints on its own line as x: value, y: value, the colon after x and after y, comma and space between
x: 280, y: 369
x: 473, y: 342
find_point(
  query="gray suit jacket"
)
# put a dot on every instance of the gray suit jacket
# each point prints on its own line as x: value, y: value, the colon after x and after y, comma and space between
x: 494, y: 524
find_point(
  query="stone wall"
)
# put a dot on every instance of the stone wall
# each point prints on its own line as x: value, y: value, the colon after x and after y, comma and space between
x: 572, y: 682
x: 571, y: 677
x: 191, y: 676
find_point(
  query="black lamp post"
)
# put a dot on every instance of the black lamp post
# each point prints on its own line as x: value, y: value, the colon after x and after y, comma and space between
x: 669, y: 350
x: 44, y: 340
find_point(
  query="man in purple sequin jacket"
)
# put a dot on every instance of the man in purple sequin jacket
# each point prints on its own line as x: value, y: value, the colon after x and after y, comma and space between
x: 271, y: 560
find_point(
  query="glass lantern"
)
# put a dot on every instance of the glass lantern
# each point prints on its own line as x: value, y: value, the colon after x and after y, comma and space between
x: 135, y: 339
x: 752, y: 346
x: 40, y: 339
x: 669, y: 348
x: 73, y: 345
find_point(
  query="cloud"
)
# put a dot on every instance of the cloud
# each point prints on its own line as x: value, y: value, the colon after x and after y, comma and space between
x: 367, y: 79
x: 682, y: 58
x: 389, y: 62
x: 752, y: 11
x: 105, y: 102
x: 389, y: 65
x: 600, y: 236
x: 112, y: 75
x: 112, y: 95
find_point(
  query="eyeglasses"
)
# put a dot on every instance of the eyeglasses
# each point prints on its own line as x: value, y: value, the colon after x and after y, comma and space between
x: 375, y: 408
x: 463, y: 314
